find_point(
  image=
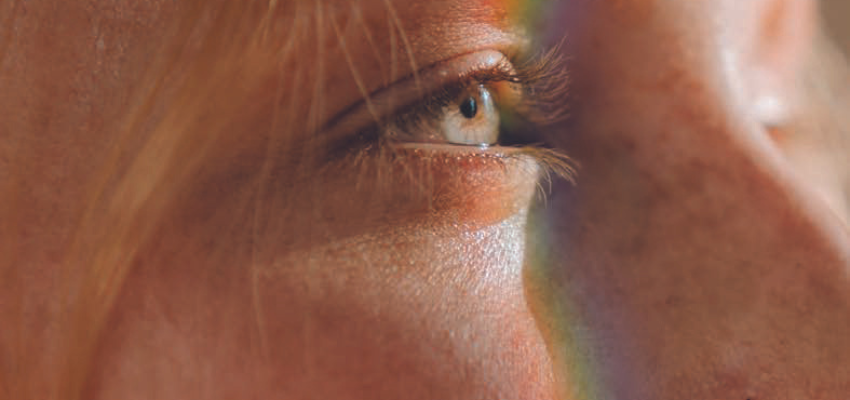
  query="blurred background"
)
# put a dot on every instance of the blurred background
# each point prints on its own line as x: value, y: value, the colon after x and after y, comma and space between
x: 837, y: 16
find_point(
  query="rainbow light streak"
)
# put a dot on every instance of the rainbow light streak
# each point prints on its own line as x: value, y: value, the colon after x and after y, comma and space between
x: 570, y: 343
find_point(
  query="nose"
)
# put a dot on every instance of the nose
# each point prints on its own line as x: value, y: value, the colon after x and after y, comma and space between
x: 689, y: 260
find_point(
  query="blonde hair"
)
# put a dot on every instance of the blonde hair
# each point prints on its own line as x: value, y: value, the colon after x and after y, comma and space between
x: 200, y: 86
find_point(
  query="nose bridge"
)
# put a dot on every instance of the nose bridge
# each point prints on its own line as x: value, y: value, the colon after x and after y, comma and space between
x: 692, y: 260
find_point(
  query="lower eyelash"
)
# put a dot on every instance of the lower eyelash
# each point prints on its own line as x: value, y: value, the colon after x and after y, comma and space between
x: 552, y: 164
x: 471, y: 186
x: 385, y: 158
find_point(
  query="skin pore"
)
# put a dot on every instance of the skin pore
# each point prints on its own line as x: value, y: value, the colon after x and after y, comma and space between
x: 180, y: 228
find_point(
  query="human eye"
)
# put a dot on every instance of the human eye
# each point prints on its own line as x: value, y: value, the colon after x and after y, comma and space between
x: 465, y: 114
x: 482, y: 105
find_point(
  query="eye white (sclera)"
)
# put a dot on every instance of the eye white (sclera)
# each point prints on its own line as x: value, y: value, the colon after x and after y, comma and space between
x: 481, y: 129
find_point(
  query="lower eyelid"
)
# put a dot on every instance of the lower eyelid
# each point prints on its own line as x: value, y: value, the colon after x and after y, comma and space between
x: 394, y: 183
x: 479, y: 186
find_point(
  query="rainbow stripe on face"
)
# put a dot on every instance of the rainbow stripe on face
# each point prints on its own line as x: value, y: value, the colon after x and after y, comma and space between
x: 525, y: 10
x: 526, y: 15
x: 570, y: 343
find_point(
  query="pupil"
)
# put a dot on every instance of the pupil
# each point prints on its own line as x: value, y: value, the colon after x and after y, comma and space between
x: 469, y: 108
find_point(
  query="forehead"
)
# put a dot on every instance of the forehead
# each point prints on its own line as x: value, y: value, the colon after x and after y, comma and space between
x: 353, y: 48
x: 431, y: 28
x: 339, y: 50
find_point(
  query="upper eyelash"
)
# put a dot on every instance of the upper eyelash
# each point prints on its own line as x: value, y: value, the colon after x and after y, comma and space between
x: 544, y: 82
x: 542, y: 79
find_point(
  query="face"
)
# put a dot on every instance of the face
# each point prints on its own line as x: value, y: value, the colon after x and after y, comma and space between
x: 380, y: 200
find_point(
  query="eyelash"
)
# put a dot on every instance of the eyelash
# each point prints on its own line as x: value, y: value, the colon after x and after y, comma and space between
x: 543, y: 83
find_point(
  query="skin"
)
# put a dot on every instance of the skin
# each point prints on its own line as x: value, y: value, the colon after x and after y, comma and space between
x: 702, y: 252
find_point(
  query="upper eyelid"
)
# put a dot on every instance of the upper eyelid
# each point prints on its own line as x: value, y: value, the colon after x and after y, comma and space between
x: 408, y: 91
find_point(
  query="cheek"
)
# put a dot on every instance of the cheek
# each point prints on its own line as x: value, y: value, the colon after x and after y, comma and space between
x: 688, y: 253
x: 413, y: 312
x: 424, y: 307
x: 363, y: 295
